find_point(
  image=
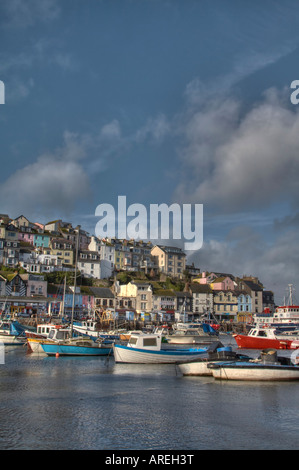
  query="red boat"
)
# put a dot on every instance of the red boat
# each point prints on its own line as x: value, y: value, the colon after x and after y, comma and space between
x: 263, y: 338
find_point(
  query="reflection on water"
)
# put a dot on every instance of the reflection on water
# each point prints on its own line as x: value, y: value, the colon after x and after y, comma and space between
x: 93, y: 403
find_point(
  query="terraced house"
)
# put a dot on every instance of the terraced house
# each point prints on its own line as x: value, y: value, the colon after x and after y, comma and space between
x: 169, y: 260
x: 139, y: 291
x: 226, y: 304
x: 62, y: 248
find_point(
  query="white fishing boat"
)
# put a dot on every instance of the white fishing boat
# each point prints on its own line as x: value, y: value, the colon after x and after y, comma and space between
x: 12, y: 333
x: 215, y: 353
x: 147, y: 349
x: 268, y: 368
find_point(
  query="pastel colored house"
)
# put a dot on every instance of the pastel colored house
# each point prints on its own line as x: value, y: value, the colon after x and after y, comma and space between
x: 222, y: 283
x: 63, y: 249
x: 170, y: 260
x: 41, y: 240
x: 35, y: 285
x: 27, y: 237
x: 225, y: 305
x: 140, y: 291
x: 244, y: 306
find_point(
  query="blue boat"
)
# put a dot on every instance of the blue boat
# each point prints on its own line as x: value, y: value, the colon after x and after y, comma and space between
x: 61, y: 342
x: 56, y: 349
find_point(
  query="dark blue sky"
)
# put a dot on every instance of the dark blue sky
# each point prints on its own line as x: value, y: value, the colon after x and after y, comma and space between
x: 161, y: 101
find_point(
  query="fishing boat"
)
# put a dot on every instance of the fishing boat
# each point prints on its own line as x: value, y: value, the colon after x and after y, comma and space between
x: 34, y: 339
x: 62, y: 342
x: 215, y: 353
x: 147, y: 349
x: 90, y: 328
x: 262, y: 338
x: 12, y: 333
x: 268, y: 368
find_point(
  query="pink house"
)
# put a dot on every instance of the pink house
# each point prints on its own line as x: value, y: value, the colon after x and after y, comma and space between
x: 26, y: 237
x: 217, y: 281
x: 87, y: 301
x: 223, y: 283
x: 206, y: 278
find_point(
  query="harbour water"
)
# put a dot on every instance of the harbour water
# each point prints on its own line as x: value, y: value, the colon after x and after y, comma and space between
x: 67, y: 403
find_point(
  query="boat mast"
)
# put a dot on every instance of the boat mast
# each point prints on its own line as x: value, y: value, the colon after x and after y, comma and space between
x: 62, y: 303
x: 75, y: 280
x: 290, y: 294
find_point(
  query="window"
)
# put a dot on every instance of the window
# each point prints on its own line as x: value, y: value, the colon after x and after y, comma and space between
x: 150, y: 342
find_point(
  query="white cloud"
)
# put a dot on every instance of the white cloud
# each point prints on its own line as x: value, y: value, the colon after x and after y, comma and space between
x: 275, y: 263
x: 55, y: 182
x: 241, y: 161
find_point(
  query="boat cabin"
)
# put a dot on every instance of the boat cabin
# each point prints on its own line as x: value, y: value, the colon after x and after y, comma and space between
x: 90, y: 325
x: 44, y: 329
x: 59, y: 334
x: 147, y: 341
x: 262, y: 332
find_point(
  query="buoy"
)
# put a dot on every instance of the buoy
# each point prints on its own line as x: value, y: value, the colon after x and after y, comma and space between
x: 57, y: 354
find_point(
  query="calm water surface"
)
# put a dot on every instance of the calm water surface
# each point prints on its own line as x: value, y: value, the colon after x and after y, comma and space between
x: 95, y: 404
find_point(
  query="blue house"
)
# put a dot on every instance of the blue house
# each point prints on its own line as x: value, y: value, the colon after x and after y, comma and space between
x: 244, y: 303
x: 42, y: 240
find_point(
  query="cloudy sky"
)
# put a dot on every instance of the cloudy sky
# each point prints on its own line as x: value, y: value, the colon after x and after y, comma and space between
x: 163, y: 101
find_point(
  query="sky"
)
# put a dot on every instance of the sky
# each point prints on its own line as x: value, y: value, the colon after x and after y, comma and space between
x: 161, y: 101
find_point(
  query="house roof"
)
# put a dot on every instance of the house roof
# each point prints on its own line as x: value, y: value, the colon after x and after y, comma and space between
x: 200, y: 288
x: 164, y: 292
x: 7, y: 275
x: 252, y: 285
x: 183, y: 294
x: 171, y: 249
x: 102, y: 292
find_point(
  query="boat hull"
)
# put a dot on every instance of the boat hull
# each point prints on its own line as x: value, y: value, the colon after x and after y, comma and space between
x: 251, y: 342
x: 255, y: 372
x: 12, y: 340
x: 129, y: 355
x: 73, y: 350
x: 34, y: 345
x: 195, y: 368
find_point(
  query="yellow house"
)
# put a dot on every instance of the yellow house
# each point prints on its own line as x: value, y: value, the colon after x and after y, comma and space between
x: 63, y: 249
x: 170, y: 260
x: 140, y: 292
x: 225, y: 305
x: 119, y: 259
